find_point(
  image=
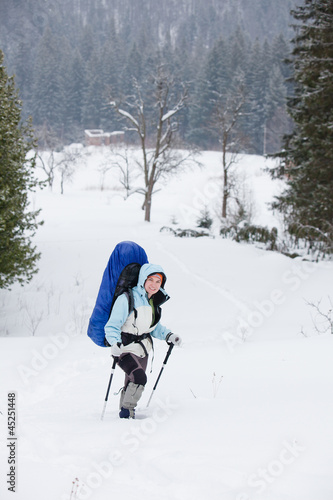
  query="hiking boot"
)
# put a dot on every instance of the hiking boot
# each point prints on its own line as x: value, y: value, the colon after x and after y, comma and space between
x: 129, y: 399
x: 126, y: 413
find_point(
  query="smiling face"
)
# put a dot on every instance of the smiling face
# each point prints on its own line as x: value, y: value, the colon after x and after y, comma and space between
x: 153, y: 284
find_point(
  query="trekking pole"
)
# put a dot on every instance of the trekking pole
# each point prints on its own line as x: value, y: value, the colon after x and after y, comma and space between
x: 108, y: 389
x: 161, y: 371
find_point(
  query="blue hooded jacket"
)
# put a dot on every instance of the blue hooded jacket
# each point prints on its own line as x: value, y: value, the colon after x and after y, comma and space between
x: 140, y: 321
x: 124, y: 253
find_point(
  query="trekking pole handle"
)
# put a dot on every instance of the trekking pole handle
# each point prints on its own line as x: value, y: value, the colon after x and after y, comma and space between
x: 171, y: 346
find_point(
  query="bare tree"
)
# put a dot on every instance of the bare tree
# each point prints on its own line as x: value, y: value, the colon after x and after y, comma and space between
x: 48, y: 141
x: 152, y: 117
x: 34, y: 319
x: 122, y: 160
x: 66, y: 165
x: 48, y: 166
x: 103, y: 169
x: 227, y: 112
x: 64, y: 162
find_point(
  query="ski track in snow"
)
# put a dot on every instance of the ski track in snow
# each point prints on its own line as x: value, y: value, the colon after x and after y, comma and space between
x: 222, y: 291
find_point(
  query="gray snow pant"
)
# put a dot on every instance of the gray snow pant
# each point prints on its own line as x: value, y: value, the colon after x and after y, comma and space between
x: 135, y: 379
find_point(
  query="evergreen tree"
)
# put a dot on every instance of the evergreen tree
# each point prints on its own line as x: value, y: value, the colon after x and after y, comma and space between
x: 65, y: 82
x: 24, y: 72
x: 48, y: 96
x: 87, y: 42
x: 17, y: 256
x: 197, y: 132
x: 280, y: 53
x: 238, y: 51
x: 93, y: 94
x: 214, y: 81
x: 75, y: 91
x: 257, y: 83
x: 275, y: 125
x: 307, y: 158
x: 112, y: 76
x: 134, y: 69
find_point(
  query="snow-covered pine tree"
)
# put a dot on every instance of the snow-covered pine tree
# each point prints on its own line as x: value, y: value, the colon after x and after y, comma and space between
x: 17, y: 255
x: 307, y: 158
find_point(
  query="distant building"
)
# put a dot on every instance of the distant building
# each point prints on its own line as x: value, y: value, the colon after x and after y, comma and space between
x: 98, y: 137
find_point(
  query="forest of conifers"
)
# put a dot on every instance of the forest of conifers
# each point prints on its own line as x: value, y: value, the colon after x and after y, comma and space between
x: 69, y: 56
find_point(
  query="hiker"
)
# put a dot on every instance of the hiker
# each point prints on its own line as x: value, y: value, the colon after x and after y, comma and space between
x: 130, y: 334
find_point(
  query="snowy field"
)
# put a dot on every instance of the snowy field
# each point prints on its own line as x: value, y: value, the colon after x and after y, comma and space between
x: 243, y: 410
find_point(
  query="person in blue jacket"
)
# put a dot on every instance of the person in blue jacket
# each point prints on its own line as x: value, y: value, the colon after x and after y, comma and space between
x: 130, y: 334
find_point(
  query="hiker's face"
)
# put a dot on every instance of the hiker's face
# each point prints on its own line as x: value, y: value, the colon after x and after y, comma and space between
x: 152, y: 285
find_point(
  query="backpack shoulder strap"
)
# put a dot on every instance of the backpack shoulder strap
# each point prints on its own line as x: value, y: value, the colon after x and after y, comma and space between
x: 130, y: 298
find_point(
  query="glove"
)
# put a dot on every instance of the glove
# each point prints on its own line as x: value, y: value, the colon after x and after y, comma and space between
x: 172, y: 338
x: 116, y: 350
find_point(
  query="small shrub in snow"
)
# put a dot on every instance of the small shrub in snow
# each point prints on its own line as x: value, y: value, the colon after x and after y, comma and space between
x: 251, y: 233
x: 184, y: 233
x: 323, y: 320
x: 205, y: 221
x: 216, y: 384
x: 311, y: 241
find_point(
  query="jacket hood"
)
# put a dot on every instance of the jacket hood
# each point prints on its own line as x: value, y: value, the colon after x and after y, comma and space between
x: 148, y: 269
x: 159, y: 297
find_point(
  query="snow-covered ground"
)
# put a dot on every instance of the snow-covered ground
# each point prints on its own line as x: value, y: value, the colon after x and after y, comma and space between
x: 243, y: 410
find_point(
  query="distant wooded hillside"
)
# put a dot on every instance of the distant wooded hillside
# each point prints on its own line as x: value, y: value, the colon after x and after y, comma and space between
x: 67, y: 55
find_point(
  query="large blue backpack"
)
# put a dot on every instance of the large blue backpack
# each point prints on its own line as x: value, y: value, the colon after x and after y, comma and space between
x: 120, y: 275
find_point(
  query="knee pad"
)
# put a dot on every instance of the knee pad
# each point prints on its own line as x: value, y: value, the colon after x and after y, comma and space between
x: 139, y: 376
x: 128, y: 364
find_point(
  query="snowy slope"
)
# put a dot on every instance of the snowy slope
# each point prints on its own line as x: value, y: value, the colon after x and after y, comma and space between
x: 243, y: 410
